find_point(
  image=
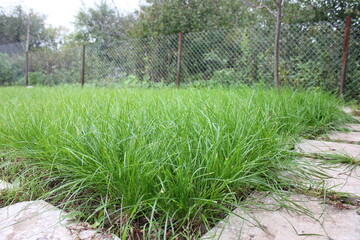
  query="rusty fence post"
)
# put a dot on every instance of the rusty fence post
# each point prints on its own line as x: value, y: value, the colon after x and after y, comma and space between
x: 344, y: 55
x: 83, y: 66
x: 26, y: 68
x: 179, y: 59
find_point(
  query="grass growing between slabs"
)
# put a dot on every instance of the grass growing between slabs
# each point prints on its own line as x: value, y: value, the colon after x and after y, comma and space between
x: 157, y: 163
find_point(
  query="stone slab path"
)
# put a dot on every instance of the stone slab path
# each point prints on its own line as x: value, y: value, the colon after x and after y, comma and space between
x: 327, y: 222
x: 341, y: 177
x: 319, y: 221
x: 38, y: 220
x: 348, y: 137
x: 329, y: 148
x: 32, y: 220
x: 353, y: 127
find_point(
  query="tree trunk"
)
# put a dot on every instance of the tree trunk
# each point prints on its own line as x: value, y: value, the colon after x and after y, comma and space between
x: 277, y: 43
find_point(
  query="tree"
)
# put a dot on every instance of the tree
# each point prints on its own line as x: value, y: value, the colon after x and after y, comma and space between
x: 277, y: 13
x: 103, y: 23
x: 10, y: 69
x: 334, y: 12
x: 165, y: 17
x: 13, y: 26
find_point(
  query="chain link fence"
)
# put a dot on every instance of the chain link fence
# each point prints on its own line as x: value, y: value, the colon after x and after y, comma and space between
x: 310, y: 56
x: 229, y: 57
x: 55, y: 66
x: 352, y: 89
x: 12, y: 63
x: 132, y: 61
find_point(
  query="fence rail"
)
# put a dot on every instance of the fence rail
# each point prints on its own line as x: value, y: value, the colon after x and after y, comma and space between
x: 310, y: 56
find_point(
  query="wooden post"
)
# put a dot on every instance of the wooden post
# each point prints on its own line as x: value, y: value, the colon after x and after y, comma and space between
x: 83, y: 67
x: 277, y: 42
x: 344, y: 55
x: 26, y: 68
x: 179, y: 60
x: 27, y: 51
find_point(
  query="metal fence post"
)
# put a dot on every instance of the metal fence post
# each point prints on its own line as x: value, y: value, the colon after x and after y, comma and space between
x: 26, y: 68
x: 83, y: 66
x: 179, y: 60
x: 344, y: 55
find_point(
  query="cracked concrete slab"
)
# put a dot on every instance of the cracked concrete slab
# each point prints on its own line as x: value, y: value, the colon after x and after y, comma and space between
x: 327, y: 222
x: 34, y: 220
x: 349, y: 137
x: 324, y: 147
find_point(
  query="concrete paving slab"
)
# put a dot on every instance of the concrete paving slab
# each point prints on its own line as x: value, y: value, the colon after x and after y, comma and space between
x: 328, y: 222
x: 353, y: 127
x: 32, y: 220
x: 4, y: 185
x: 325, y: 147
x: 341, y: 177
x: 347, y: 110
x: 349, y: 137
x: 35, y: 220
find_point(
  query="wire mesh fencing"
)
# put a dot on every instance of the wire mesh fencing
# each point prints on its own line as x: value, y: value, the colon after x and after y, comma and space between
x: 55, y: 66
x: 13, y: 49
x: 11, y: 63
x: 229, y: 56
x: 352, y: 88
x: 132, y: 61
x: 310, y: 56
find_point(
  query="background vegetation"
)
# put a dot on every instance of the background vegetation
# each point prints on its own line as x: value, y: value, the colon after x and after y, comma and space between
x: 140, y: 48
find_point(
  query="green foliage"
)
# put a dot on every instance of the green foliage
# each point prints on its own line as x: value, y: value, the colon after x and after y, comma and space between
x: 103, y: 23
x: 333, y: 12
x: 13, y: 26
x: 307, y: 74
x: 38, y: 78
x: 161, y: 162
x: 10, y: 70
x: 235, y: 53
x: 173, y: 16
x: 52, y: 66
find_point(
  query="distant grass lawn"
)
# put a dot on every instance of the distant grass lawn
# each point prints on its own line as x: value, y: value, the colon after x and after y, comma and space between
x: 156, y: 163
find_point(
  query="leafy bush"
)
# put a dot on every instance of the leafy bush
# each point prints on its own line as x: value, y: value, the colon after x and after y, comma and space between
x: 10, y: 70
x: 38, y: 78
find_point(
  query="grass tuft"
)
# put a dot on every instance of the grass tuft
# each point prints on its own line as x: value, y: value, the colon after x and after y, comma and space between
x: 158, y: 163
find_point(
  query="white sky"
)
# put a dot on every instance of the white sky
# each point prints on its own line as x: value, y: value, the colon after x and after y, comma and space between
x: 62, y: 12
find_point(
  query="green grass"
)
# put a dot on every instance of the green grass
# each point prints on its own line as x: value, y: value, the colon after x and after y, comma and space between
x: 338, y: 159
x: 157, y: 163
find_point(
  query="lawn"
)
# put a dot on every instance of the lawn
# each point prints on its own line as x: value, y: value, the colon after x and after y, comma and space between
x: 156, y: 163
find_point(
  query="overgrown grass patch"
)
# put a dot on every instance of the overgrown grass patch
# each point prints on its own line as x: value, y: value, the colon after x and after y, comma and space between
x: 159, y: 163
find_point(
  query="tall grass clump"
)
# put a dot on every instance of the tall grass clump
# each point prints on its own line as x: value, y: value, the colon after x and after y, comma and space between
x: 159, y: 163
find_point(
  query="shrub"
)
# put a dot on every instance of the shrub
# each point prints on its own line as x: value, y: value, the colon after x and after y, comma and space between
x: 10, y: 70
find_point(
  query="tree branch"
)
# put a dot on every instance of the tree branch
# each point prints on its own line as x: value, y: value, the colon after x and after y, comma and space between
x: 252, y: 5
